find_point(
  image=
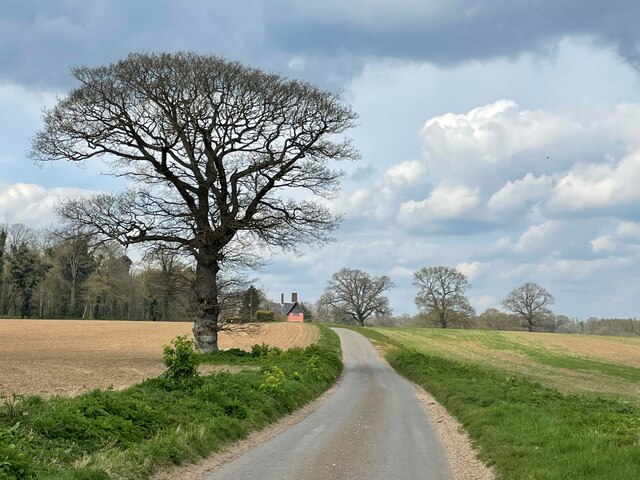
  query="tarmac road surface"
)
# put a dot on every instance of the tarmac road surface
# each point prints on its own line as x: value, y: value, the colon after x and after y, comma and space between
x: 372, y: 427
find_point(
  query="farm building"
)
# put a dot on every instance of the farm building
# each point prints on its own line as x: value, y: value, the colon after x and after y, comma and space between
x: 293, y: 311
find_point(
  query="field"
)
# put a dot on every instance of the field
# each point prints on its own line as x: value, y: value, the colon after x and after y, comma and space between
x: 68, y: 357
x: 537, y: 406
x: 609, y: 366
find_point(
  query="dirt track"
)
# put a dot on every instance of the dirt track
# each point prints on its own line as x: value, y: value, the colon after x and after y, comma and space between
x: 68, y: 357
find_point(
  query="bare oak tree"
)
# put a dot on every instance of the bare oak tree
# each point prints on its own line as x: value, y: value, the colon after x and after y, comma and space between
x: 216, y: 153
x: 530, y: 302
x: 441, y: 292
x: 357, y: 294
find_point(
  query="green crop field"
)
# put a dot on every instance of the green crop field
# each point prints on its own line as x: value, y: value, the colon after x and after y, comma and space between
x: 537, y: 406
x: 609, y: 366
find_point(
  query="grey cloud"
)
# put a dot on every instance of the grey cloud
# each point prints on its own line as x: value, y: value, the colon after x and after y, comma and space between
x: 40, y: 40
x: 451, y: 32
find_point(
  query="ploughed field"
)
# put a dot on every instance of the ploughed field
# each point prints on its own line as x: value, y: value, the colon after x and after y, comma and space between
x: 609, y: 366
x: 68, y: 357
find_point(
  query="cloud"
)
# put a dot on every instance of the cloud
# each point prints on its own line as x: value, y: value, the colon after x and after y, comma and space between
x: 326, y: 41
x: 468, y: 146
x: 406, y: 173
x: 596, y: 187
x: 445, y: 33
x: 445, y: 202
x: 604, y: 242
x: 536, y: 239
x: 470, y: 269
x: 31, y: 204
x: 518, y: 195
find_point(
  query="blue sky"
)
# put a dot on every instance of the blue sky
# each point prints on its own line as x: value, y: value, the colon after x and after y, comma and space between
x: 501, y: 138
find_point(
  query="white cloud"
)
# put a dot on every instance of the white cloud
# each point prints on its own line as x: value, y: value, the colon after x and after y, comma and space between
x: 599, y: 186
x: 406, y: 173
x: 25, y: 99
x: 538, y: 237
x: 402, y: 272
x: 519, y: 194
x: 470, y: 269
x: 444, y: 202
x: 469, y: 146
x: 603, y: 243
x: 31, y: 204
x: 484, y: 301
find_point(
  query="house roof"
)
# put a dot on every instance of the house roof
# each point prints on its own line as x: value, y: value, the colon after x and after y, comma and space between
x: 287, y: 308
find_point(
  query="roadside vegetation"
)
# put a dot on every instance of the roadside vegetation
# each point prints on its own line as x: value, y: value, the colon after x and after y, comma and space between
x: 176, y: 418
x: 523, y: 428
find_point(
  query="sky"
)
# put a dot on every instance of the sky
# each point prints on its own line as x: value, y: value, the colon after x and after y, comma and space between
x: 501, y: 137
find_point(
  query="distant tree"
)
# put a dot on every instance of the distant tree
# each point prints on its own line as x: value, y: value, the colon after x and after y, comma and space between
x: 262, y: 316
x: 252, y: 300
x: 354, y: 293
x: 308, y: 312
x: 167, y: 285
x: 3, y: 243
x: 76, y: 264
x: 530, y: 302
x: 217, y: 152
x: 27, y: 269
x: 493, y: 318
x: 110, y: 282
x: 18, y: 234
x: 441, y: 293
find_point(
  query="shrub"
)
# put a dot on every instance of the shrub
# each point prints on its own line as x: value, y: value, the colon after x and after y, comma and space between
x: 264, y: 316
x: 273, y: 383
x: 181, y: 360
x: 260, y: 350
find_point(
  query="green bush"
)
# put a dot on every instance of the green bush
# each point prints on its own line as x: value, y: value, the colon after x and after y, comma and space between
x: 181, y: 360
x: 265, y: 316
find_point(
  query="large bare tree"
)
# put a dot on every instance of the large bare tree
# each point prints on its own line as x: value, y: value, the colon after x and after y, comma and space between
x: 441, y: 292
x: 530, y: 301
x: 357, y: 294
x: 216, y: 153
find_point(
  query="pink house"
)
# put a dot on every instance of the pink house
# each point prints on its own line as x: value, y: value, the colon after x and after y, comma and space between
x: 292, y: 310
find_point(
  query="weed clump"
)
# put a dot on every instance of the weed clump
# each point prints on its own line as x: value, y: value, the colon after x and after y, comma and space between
x: 182, y: 361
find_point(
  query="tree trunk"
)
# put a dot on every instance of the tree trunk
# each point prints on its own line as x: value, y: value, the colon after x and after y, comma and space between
x: 205, y: 328
x: 443, y: 319
x: 530, y: 324
x: 72, y: 299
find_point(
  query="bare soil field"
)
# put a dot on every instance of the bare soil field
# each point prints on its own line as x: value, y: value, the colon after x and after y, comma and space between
x: 68, y: 357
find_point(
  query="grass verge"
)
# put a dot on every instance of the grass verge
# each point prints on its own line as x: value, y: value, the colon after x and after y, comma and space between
x: 525, y: 430
x: 131, y: 434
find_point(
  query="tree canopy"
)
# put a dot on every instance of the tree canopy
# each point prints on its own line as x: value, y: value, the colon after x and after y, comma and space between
x: 357, y: 294
x: 530, y: 301
x: 442, y: 292
x: 217, y: 153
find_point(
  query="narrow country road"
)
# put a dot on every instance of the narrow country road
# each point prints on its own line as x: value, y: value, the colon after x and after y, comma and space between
x: 371, y: 428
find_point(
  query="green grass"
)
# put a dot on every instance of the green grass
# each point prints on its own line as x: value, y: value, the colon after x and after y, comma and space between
x: 526, y: 430
x: 133, y: 433
x: 554, y: 360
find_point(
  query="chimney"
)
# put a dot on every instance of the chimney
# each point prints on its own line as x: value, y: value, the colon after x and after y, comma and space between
x: 294, y: 297
x: 282, y: 299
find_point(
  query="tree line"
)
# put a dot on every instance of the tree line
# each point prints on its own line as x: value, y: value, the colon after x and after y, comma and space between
x: 356, y: 297
x: 45, y: 275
